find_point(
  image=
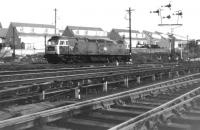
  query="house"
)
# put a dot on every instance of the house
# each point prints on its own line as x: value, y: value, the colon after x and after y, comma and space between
x: 29, y: 37
x: 123, y: 35
x: 3, y: 32
x: 78, y: 31
x: 180, y: 41
x: 60, y: 32
x: 5, y: 49
x: 161, y: 39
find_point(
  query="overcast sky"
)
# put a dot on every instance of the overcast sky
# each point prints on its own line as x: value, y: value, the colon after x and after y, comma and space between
x: 106, y: 14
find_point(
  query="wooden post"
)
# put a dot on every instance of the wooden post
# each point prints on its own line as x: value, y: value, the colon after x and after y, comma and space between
x: 170, y: 74
x: 126, y: 81
x: 161, y: 76
x: 138, y: 80
x: 77, y: 93
x: 105, y: 85
x: 153, y: 77
x: 43, y: 95
x: 177, y: 73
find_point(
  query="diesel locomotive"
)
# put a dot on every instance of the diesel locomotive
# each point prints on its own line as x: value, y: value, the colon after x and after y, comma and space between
x: 70, y: 49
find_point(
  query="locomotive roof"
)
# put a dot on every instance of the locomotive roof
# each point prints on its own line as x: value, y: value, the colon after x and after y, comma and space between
x: 90, y: 38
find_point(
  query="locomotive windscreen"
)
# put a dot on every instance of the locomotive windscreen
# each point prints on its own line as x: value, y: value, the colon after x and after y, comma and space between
x: 52, y: 42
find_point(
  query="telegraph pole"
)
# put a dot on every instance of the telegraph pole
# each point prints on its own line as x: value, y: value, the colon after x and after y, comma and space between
x: 13, y: 42
x: 130, y: 38
x: 45, y: 43
x: 55, y: 19
x: 188, y: 48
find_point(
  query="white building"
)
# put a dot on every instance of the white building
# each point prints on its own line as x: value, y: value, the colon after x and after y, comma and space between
x: 123, y: 34
x: 29, y: 37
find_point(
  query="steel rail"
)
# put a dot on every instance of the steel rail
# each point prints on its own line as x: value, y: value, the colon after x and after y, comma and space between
x: 68, y: 69
x: 79, y: 76
x: 141, y: 118
x: 48, y: 91
x: 62, y: 72
x: 166, y: 111
x: 56, y: 111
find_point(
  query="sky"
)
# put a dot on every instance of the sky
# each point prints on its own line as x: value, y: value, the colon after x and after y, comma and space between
x: 106, y: 14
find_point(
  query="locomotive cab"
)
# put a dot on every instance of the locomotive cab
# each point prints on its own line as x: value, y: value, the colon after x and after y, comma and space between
x: 52, y: 46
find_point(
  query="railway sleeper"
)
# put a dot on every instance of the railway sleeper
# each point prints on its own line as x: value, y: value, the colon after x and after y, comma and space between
x: 146, y: 102
x: 143, y: 106
x: 119, y: 118
x: 187, y: 119
x: 182, y: 118
x: 159, y: 99
x: 131, y: 107
x: 115, y: 111
x: 174, y: 126
x: 155, y: 100
x: 46, y: 127
x: 100, y: 118
x: 84, y: 124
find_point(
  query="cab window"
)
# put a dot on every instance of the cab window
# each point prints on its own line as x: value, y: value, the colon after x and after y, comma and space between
x: 62, y: 42
x: 52, y: 42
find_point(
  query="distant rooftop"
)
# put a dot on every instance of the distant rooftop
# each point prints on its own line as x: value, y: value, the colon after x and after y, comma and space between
x: 125, y: 30
x: 15, y: 24
x: 84, y: 28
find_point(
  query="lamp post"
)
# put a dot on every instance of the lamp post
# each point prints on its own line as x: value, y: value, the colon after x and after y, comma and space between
x: 45, y: 43
x: 13, y: 55
x: 55, y: 19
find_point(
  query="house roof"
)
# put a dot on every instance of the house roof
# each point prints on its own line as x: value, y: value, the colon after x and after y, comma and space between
x: 147, y: 32
x: 84, y: 28
x: 3, y: 32
x: 125, y: 30
x: 15, y: 24
x: 178, y: 37
x: 158, y: 32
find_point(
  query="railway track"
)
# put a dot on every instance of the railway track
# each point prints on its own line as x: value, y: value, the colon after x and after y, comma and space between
x: 10, y: 78
x: 42, y: 88
x: 13, y: 67
x: 123, y: 109
x: 24, y: 94
x: 107, y: 112
x: 17, y: 80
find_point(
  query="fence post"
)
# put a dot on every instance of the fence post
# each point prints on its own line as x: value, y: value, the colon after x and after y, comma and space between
x: 105, y: 85
x: 126, y: 81
x: 153, y: 77
x: 138, y: 80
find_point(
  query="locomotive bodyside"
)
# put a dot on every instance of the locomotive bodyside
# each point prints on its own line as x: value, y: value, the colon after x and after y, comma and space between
x: 68, y: 49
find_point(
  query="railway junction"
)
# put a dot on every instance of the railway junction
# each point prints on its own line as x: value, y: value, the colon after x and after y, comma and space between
x: 124, y: 97
x: 86, y: 78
